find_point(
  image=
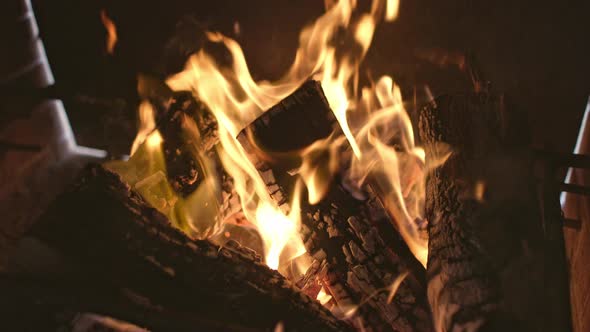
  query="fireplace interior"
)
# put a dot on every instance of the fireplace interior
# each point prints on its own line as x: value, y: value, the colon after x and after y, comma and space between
x: 332, y: 165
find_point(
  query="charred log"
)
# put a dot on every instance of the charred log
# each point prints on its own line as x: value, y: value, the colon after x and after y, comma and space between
x: 190, y: 140
x: 486, y: 266
x: 131, y: 245
x: 342, y: 232
x: 183, y: 169
x: 181, y: 147
x: 57, y: 305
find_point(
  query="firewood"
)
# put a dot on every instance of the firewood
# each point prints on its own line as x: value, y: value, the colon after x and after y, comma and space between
x: 53, y: 305
x: 186, y: 152
x: 181, y: 147
x: 343, y: 233
x: 110, y: 230
x: 190, y: 141
x: 488, y: 259
x: 183, y: 167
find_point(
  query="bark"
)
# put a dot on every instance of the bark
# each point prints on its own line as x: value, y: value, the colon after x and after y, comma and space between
x: 108, y: 229
x: 487, y: 263
x: 357, y: 252
x: 56, y: 304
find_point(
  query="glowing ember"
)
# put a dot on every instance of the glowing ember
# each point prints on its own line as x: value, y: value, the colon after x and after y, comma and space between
x: 384, y: 152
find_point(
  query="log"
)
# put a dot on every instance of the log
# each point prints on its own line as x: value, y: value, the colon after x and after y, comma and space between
x: 181, y: 147
x: 190, y: 145
x: 111, y: 232
x: 487, y: 263
x: 354, y: 261
x: 189, y: 149
x: 54, y: 305
x: 184, y: 170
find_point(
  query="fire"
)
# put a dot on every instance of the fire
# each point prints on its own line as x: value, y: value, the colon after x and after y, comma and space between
x: 319, y: 164
x: 323, y: 297
x: 391, y: 10
x: 280, y: 232
x: 111, y: 31
x: 154, y: 141
x: 392, y: 162
x: 384, y: 151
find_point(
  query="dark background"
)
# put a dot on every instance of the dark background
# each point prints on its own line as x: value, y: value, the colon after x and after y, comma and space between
x: 534, y: 51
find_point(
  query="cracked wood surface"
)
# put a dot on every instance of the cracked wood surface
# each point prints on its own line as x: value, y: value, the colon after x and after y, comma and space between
x: 358, y: 254
x: 487, y: 268
x: 107, y: 228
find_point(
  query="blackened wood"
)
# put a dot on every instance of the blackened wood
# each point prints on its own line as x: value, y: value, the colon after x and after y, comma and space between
x: 108, y: 229
x: 487, y: 264
x: 52, y: 305
x: 186, y: 151
x: 183, y: 170
x: 343, y: 233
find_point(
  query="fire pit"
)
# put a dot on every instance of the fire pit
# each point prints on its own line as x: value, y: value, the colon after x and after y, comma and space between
x: 322, y: 200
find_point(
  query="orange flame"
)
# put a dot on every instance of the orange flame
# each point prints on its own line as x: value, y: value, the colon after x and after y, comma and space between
x: 111, y: 31
x: 383, y: 145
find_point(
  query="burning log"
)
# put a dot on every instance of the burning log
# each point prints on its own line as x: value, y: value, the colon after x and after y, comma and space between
x: 358, y: 254
x: 58, y: 305
x: 175, y: 163
x: 183, y: 168
x: 488, y: 262
x: 181, y: 146
x: 109, y: 230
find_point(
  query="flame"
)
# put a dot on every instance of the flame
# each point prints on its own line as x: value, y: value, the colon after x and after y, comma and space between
x: 392, y: 163
x: 277, y: 231
x: 391, y: 10
x: 319, y: 164
x: 154, y: 141
x: 323, y: 297
x: 111, y: 31
x: 479, y: 190
x: 384, y: 153
x: 147, y: 125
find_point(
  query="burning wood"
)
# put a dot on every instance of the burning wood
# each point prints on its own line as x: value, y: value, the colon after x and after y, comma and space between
x: 328, y: 172
x: 343, y: 233
x: 179, y: 145
x: 487, y: 262
x: 147, y: 257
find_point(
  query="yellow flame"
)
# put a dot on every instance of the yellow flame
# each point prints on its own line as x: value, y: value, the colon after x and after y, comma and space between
x: 323, y: 297
x: 279, y: 232
x: 319, y: 164
x: 147, y: 125
x: 154, y: 140
x: 393, y: 164
x: 391, y: 10
x: 236, y: 100
x: 111, y: 31
x: 384, y: 151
